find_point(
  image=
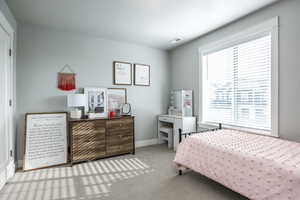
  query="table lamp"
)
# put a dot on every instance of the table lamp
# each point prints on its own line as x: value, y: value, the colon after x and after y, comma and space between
x: 75, y: 101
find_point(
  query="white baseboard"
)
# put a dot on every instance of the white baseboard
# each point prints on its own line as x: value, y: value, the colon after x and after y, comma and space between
x: 2, y: 179
x: 143, y: 143
x: 20, y: 164
x: 7, y: 173
x: 11, y: 169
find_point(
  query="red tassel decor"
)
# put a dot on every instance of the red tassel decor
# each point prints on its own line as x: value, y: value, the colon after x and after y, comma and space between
x: 66, y: 81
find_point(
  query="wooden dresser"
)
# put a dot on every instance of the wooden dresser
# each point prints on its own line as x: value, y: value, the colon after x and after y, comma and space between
x: 91, y: 139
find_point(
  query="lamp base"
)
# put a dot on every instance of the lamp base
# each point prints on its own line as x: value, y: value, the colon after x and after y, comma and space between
x: 91, y: 115
x: 75, y: 114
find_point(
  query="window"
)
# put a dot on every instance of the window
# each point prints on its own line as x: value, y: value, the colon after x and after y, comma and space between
x: 239, y: 81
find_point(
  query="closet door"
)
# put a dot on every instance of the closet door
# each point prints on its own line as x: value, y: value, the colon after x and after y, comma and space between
x: 5, y: 109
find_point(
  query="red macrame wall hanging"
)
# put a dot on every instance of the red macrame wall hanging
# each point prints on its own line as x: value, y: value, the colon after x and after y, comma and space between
x: 66, y: 80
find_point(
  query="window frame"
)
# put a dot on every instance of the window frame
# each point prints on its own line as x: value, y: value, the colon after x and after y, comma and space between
x: 270, y: 26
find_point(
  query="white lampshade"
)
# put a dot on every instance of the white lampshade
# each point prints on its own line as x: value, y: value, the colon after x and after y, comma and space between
x: 77, y: 100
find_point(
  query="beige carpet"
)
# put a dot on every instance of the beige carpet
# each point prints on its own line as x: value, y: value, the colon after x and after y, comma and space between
x: 148, y: 175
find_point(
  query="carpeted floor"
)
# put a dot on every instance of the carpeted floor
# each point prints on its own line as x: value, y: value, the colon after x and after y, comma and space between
x: 148, y: 175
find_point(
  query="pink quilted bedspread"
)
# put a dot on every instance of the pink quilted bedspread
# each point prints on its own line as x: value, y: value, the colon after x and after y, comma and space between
x: 258, y: 167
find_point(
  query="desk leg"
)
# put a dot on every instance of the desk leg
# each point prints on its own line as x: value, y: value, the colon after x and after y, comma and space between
x: 176, y: 127
x: 158, y: 132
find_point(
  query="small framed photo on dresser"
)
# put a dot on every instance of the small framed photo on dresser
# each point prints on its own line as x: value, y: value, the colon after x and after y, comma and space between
x: 116, y: 98
x: 141, y: 75
x: 122, y: 73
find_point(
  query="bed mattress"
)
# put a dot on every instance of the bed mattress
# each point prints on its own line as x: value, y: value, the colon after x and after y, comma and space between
x: 258, y: 167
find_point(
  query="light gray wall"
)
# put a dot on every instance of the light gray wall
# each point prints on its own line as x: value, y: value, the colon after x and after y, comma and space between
x: 185, y: 72
x: 43, y: 52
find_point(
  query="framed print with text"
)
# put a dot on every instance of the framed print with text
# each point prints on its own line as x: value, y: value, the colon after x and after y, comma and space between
x: 122, y: 73
x: 141, y: 75
x: 46, y: 140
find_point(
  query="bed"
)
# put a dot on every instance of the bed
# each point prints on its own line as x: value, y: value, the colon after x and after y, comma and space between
x: 258, y: 167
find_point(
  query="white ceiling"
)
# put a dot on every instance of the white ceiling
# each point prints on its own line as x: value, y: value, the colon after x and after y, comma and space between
x: 149, y: 22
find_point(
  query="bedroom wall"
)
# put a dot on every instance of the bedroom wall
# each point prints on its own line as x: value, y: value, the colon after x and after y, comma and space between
x: 42, y: 52
x: 185, y: 72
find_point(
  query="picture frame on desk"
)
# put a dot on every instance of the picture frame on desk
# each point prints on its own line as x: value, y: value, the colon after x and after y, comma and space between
x: 116, y: 98
x: 97, y: 102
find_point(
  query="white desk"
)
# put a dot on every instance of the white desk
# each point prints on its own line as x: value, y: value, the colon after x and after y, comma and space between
x: 187, y: 124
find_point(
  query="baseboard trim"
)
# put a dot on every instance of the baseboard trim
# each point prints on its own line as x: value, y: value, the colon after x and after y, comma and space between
x: 144, y: 143
x: 2, y: 179
x: 11, y: 169
x: 7, y: 173
x: 20, y: 164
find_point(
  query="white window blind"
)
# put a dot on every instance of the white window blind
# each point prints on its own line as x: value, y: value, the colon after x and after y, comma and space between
x: 237, y: 84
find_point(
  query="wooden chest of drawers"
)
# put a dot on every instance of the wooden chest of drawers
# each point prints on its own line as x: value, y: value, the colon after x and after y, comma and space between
x: 100, y: 138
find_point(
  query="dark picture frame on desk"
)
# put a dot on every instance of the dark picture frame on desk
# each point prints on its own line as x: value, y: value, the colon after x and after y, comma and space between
x: 116, y: 97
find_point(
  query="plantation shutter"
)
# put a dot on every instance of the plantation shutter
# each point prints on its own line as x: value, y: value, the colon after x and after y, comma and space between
x: 237, y: 84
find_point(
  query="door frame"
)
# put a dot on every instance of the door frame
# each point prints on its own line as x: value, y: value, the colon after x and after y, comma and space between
x: 9, y: 170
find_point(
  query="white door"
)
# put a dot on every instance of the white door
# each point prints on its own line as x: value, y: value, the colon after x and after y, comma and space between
x: 5, y: 107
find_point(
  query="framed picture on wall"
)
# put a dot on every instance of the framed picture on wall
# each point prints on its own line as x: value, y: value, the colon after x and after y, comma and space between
x: 141, y: 74
x: 117, y: 97
x: 122, y: 73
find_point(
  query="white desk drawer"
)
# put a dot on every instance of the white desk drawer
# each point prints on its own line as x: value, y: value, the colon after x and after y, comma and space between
x: 166, y: 119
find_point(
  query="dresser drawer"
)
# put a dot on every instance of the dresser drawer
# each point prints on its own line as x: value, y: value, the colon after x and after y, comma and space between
x: 118, y: 144
x: 88, y: 154
x: 87, y: 128
x: 119, y: 139
x: 166, y: 119
x: 92, y: 136
x: 119, y: 149
x: 120, y: 127
x: 88, y: 149
x: 119, y: 124
x: 88, y: 142
x: 113, y: 150
x: 128, y: 131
